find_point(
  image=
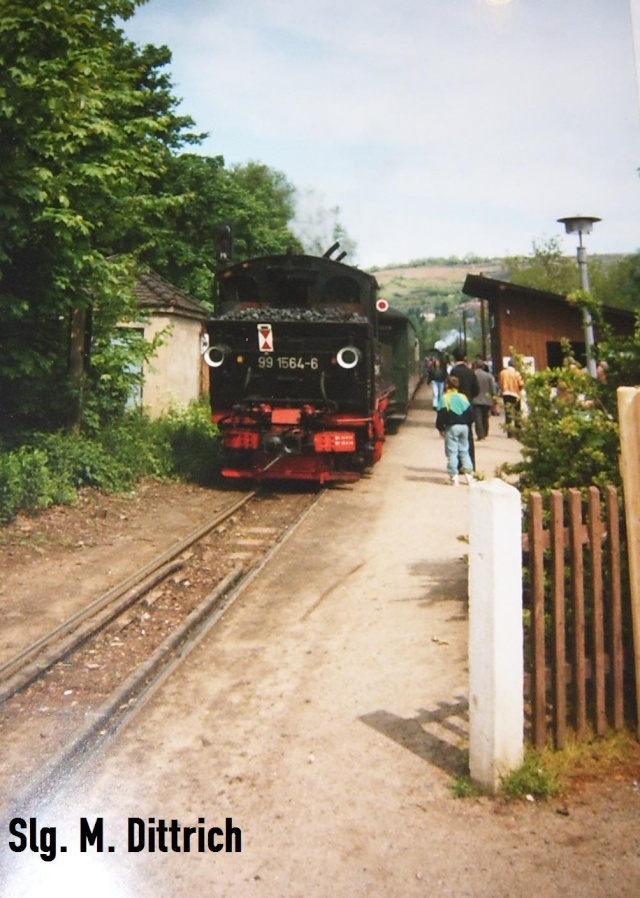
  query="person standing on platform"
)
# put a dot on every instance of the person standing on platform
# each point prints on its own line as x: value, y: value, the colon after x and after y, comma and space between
x: 483, y: 402
x: 511, y: 383
x: 453, y: 423
x: 436, y: 377
x: 469, y: 387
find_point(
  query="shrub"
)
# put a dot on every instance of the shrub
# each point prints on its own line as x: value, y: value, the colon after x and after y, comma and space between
x: 191, y: 440
x: 50, y: 468
x: 569, y: 438
x: 25, y: 481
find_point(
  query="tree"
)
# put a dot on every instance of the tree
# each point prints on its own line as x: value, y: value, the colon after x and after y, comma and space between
x: 88, y: 125
x: 618, y: 283
x: 263, y: 204
x: 613, y: 283
x: 179, y: 242
x: 547, y: 269
x: 258, y: 202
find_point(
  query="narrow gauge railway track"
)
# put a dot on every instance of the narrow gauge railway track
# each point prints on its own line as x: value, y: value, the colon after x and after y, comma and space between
x: 62, y: 695
x: 36, y: 659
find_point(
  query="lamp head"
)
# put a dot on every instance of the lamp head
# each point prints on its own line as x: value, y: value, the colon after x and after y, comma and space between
x: 579, y: 224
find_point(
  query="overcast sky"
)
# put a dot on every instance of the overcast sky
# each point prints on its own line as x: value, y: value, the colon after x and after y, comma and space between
x: 438, y: 127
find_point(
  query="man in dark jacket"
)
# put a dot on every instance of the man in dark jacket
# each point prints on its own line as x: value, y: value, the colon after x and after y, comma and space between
x: 466, y: 376
x: 469, y: 387
x: 484, y: 400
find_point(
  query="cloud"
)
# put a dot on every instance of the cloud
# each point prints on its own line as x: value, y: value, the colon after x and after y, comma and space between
x: 455, y: 121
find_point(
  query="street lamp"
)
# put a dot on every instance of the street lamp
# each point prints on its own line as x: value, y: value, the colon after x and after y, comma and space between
x: 582, y: 224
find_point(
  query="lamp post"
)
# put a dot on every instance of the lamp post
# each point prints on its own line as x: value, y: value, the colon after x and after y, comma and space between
x: 582, y: 224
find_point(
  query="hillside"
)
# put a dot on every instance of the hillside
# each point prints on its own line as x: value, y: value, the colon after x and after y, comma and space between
x: 441, y: 274
x: 432, y: 292
x: 427, y: 286
x: 424, y: 285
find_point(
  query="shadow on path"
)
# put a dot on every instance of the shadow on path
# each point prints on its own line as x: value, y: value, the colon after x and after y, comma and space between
x: 434, y: 736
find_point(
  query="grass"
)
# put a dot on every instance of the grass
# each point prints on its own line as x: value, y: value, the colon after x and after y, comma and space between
x: 615, y: 756
x: 549, y: 773
x: 464, y: 787
x: 533, y: 779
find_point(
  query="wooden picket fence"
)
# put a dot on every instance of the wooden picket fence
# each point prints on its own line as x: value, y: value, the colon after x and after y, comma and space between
x: 577, y: 670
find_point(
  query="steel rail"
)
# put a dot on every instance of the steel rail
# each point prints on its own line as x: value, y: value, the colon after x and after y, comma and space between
x: 143, y: 682
x: 64, y: 763
x: 30, y: 663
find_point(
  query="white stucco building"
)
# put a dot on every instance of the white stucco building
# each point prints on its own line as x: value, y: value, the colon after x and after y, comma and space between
x: 176, y: 375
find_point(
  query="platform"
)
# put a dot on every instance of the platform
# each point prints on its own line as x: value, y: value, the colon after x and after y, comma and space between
x: 325, y: 717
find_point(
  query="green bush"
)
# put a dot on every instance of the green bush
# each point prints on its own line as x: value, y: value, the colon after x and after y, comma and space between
x: 49, y: 468
x: 569, y: 438
x: 25, y: 481
x: 136, y: 448
x: 77, y: 461
x: 191, y: 442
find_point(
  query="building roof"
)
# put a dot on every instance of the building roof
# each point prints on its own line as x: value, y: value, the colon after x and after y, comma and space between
x: 481, y: 287
x: 157, y: 295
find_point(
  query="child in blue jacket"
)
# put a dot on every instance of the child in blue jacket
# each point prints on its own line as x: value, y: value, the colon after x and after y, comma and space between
x: 453, y: 420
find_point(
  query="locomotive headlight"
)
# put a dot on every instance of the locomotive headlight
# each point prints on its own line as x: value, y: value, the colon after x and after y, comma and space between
x: 215, y: 355
x: 348, y: 357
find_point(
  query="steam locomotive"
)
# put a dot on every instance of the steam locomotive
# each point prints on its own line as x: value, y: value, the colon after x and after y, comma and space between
x: 308, y: 368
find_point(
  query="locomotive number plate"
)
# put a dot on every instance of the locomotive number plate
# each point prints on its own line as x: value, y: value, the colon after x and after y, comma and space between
x: 288, y: 362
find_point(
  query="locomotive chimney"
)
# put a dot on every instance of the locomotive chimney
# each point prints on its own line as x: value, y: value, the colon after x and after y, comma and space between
x: 331, y: 250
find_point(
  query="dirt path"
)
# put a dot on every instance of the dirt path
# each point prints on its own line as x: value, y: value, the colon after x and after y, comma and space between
x: 326, y: 718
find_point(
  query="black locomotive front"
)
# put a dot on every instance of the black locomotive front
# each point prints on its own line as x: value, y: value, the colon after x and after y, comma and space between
x: 297, y: 383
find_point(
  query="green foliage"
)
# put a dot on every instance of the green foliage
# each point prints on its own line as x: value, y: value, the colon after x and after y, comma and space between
x: 261, y: 204
x: 616, y: 282
x: 27, y: 482
x: 621, y: 355
x: 88, y: 126
x: 257, y: 200
x: 612, y: 755
x: 551, y: 772
x: 464, y: 787
x: 52, y: 467
x: 192, y: 445
x: 446, y: 261
x: 569, y: 436
x: 116, y: 371
x: 547, y: 269
x: 570, y: 433
x: 532, y: 779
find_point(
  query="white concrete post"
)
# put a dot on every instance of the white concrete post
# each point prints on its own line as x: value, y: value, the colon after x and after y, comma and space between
x: 629, y: 416
x: 496, y: 664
